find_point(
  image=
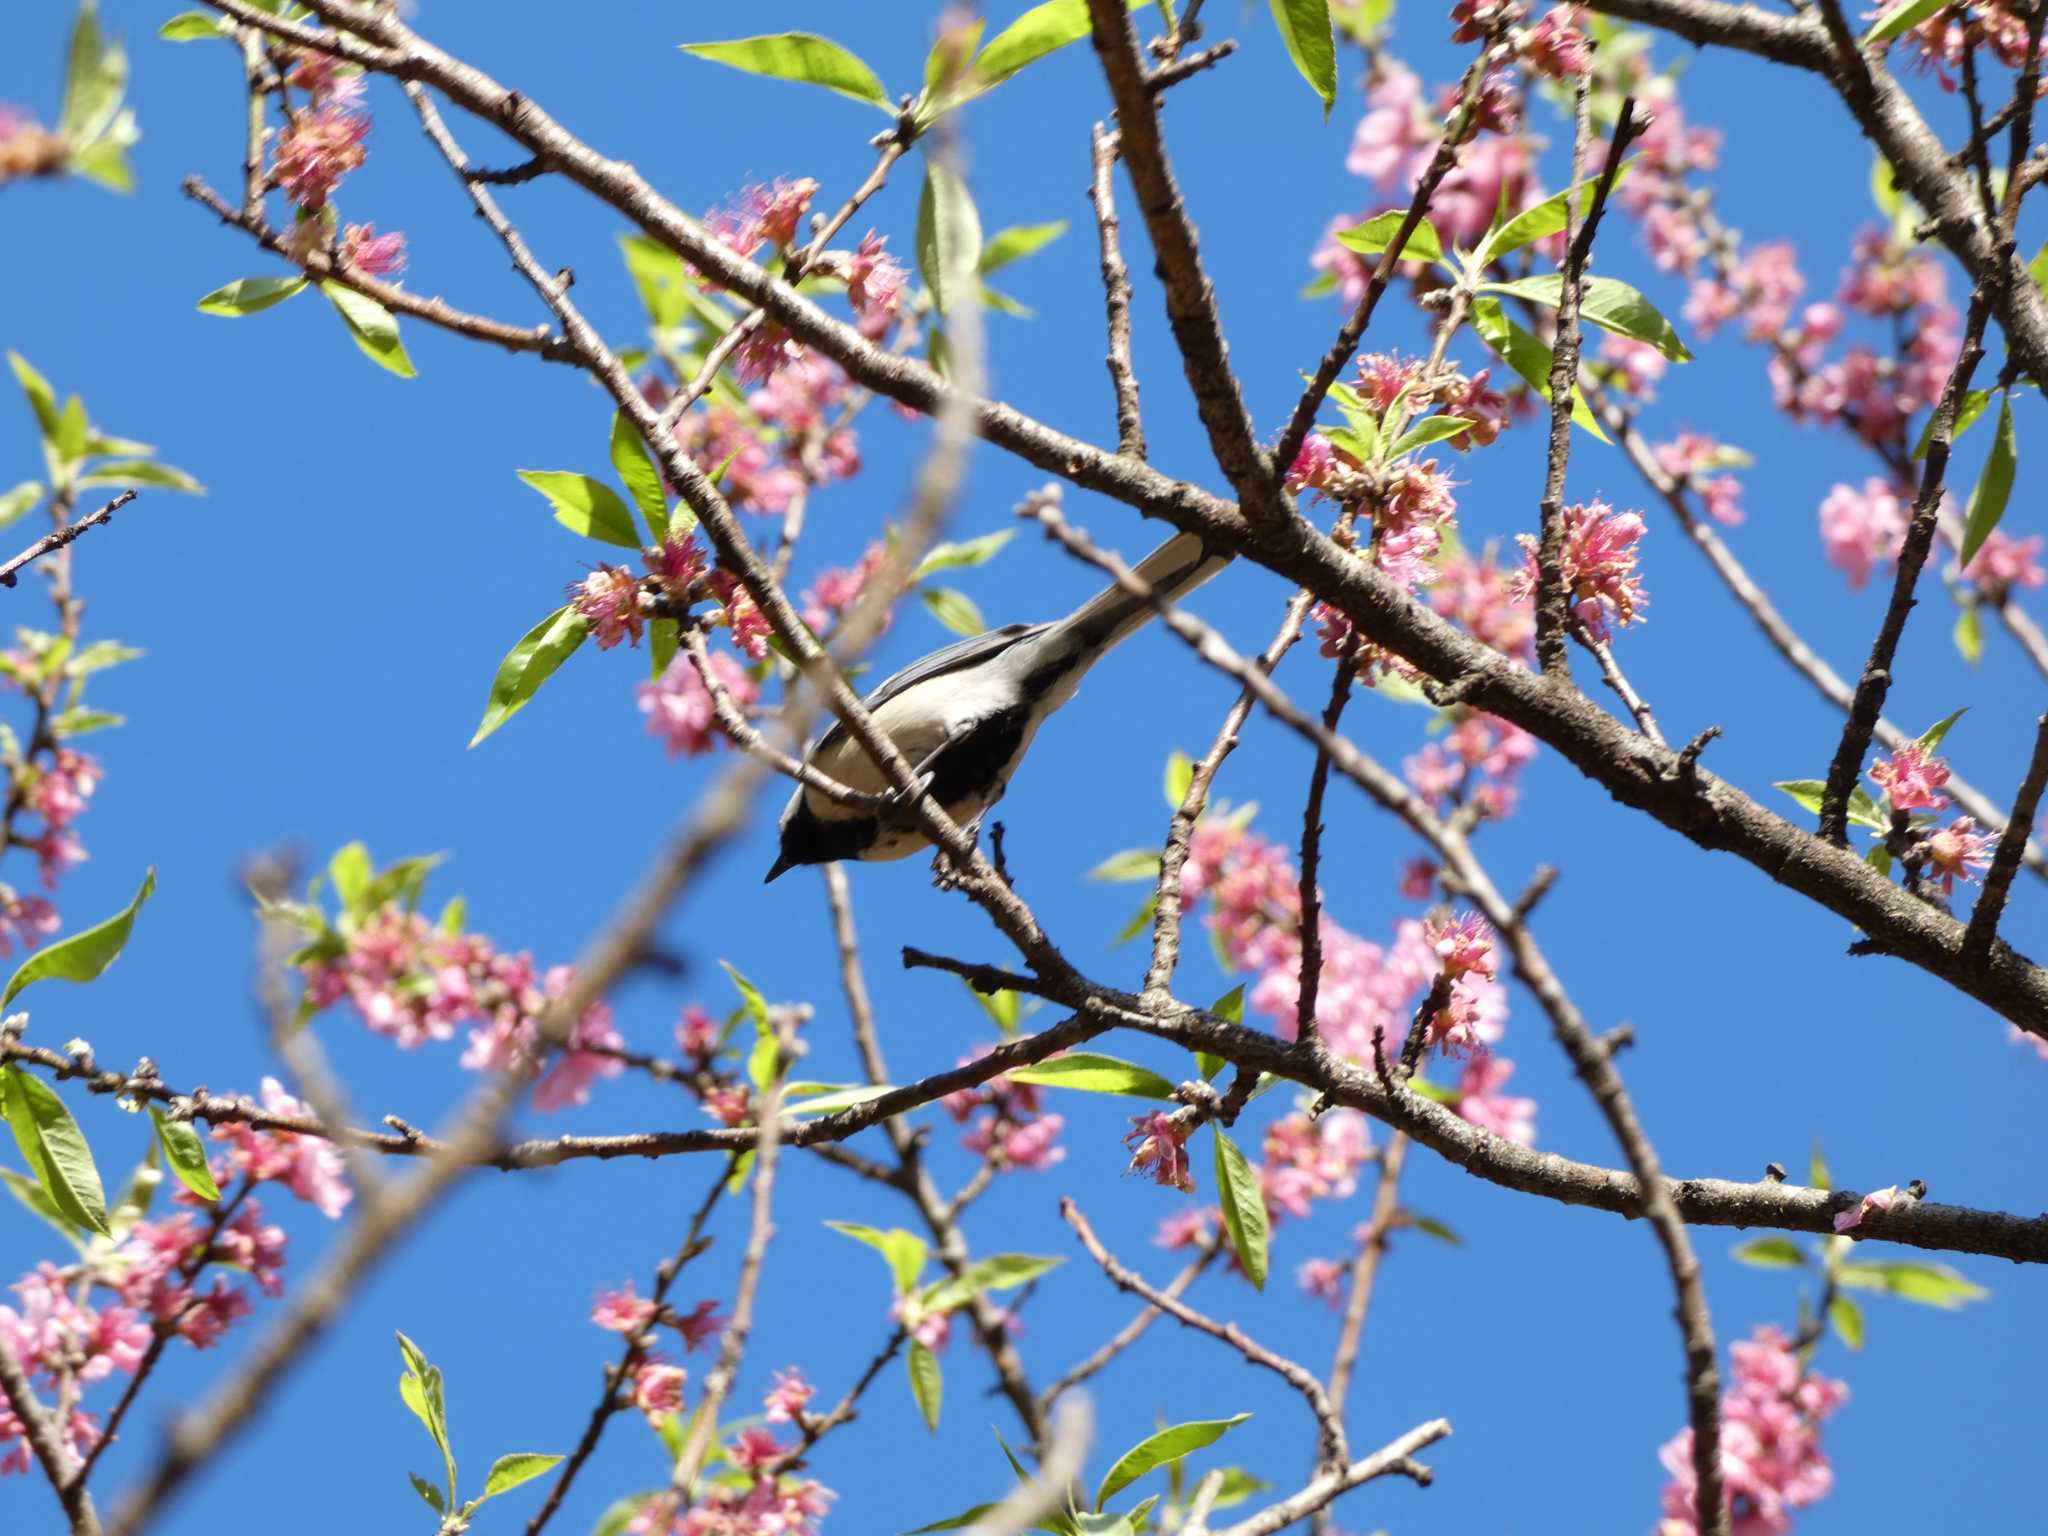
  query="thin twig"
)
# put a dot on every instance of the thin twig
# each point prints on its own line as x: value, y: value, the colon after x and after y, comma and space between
x: 1983, y: 924
x: 1610, y: 669
x: 1311, y: 898
x: 1116, y: 293
x: 1386, y: 1204
x: 54, y: 541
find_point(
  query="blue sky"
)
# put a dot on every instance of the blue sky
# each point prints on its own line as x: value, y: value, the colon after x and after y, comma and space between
x: 322, y: 626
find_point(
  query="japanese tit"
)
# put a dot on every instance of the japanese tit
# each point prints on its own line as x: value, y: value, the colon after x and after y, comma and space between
x: 965, y: 715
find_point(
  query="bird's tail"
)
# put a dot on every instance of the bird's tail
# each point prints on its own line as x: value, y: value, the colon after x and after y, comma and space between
x: 1172, y: 570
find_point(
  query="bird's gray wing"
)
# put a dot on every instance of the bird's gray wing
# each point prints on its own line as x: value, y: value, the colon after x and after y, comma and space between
x: 961, y: 653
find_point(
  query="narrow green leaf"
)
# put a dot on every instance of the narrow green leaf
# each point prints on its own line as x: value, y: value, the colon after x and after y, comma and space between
x: 1305, y: 29
x: 540, y: 651
x: 41, y: 398
x: 1969, y: 634
x: 1931, y: 1285
x: 841, y: 1096
x: 965, y: 554
x: 1431, y: 429
x: 1931, y: 738
x: 1807, y: 792
x: 750, y: 997
x: 1156, y: 1450
x: 960, y: 1521
x: 637, y: 473
x: 189, y: 27
x: 184, y: 1154
x: 35, y: 1201
x: 1528, y: 356
x: 372, y: 327
x: 1014, y: 244
x: 130, y: 472
x: 948, y: 234
x: 1038, y: 32
x: 84, y: 955
x: 926, y: 1386
x: 1377, y: 233
x: 1902, y: 17
x: 1817, y: 1170
x: 93, y: 82
x: 249, y: 295
x: 1972, y: 406
x: 586, y: 506
x: 1131, y: 864
x: 1001, y: 1272
x: 422, y: 1391
x: 429, y: 1492
x: 1608, y: 303
x: 956, y: 610
x: 1244, y: 1208
x: 1994, y: 485
x: 16, y: 503
x: 1002, y: 1006
x: 1139, y: 922
x: 1884, y: 187
x: 1547, y: 218
x: 350, y: 873
x: 54, y: 1148
x: 905, y: 1251
x: 508, y: 1472
x: 1770, y: 1253
x: 804, y: 57
x: 662, y: 281
x: 1847, y: 1318
x: 1180, y: 778
x: 1089, y: 1072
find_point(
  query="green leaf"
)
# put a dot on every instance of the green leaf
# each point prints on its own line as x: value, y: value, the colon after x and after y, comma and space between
x: 1547, y: 218
x: 54, y: 1148
x: 1969, y: 634
x: 662, y: 280
x: 840, y: 1096
x: 622, y: 1514
x: 1817, y: 1170
x: 1884, y: 187
x: 372, y: 327
x: 32, y: 1197
x: 1901, y: 18
x: 1014, y: 244
x: 956, y: 610
x: 1180, y: 778
x: 1156, y: 1450
x: 1528, y: 356
x: 1001, y: 1272
x: 1931, y: 1285
x: 961, y: 556
x: 84, y: 955
x: 189, y: 27
x: 1994, y: 485
x: 1244, y: 1208
x: 248, y: 295
x: 508, y: 1472
x: 422, y: 1391
x: 1002, y: 1006
x: 15, y: 504
x: 184, y: 1154
x: 129, y: 472
x: 103, y: 160
x: 1973, y: 405
x: 1092, y: 1073
x: 1377, y: 233
x: 637, y: 473
x: 1879, y: 858
x: 1847, y: 1318
x: 801, y: 56
x: 960, y: 1521
x: 1305, y: 29
x: 905, y: 1251
x: 350, y: 873
x: 93, y: 82
x: 429, y: 1492
x: 1608, y: 303
x: 1930, y: 739
x: 586, y: 506
x: 540, y: 651
x: 1431, y: 429
x: 41, y: 398
x: 1230, y: 1009
x: 750, y: 997
x: 1139, y: 922
x: 1038, y: 32
x: 948, y: 234
x: 1131, y: 864
x: 1863, y: 810
x: 925, y: 1383
x: 1770, y: 1253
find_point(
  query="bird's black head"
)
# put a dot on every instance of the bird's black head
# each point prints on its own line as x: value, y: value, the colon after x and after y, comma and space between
x: 808, y: 838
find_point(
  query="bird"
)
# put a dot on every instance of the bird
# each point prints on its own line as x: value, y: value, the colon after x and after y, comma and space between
x: 965, y: 715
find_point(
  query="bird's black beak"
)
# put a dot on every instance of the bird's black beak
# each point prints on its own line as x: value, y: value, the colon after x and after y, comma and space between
x: 782, y: 863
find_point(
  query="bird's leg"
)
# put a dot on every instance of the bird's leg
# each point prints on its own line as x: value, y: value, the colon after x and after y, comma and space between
x: 924, y: 771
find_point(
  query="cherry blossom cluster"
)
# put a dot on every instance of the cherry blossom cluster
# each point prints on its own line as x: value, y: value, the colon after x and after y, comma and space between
x: 1599, y: 561
x: 159, y: 1279
x: 1003, y: 1122
x: 413, y: 981
x: 1304, y: 1158
x: 1912, y: 778
x: 1939, y: 42
x: 1475, y: 763
x: 320, y: 144
x: 1771, y: 1456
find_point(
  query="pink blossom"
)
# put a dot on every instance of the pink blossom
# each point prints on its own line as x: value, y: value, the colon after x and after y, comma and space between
x: 1307, y: 1160
x: 758, y: 214
x: 676, y: 564
x: 1323, y: 1279
x: 309, y: 1166
x: 754, y: 1450
x: 25, y: 920
x: 1464, y: 944
x: 874, y: 285
x: 730, y: 1106
x: 369, y: 252
x: 1687, y: 457
x: 658, y: 1390
x: 1878, y: 1200
x: 750, y: 627
x: 1159, y: 1148
x: 1313, y: 464
x: 56, y: 851
x: 1912, y: 778
x: 316, y: 150
x: 835, y: 589
x: 1958, y: 852
x: 1481, y: 1101
x: 698, y: 1324
x: 609, y: 597
x: 63, y: 787
x: 1187, y: 1229
x: 697, y: 1033
x: 621, y: 1311
x: 1484, y: 600
x: 678, y: 706
x: 1556, y: 46
x: 788, y: 1397
x: 1394, y: 127
x: 2003, y: 562
x: 1861, y: 529
x: 1418, y: 879
x: 1599, y: 559
x: 574, y: 1068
